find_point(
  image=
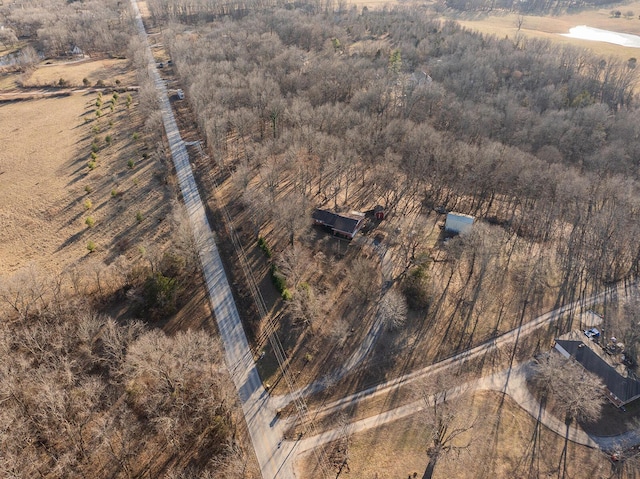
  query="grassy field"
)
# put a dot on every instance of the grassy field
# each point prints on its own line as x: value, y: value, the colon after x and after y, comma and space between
x: 501, y: 446
x: 108, y: 70
x: 551, y: 28
x: 48, y: 188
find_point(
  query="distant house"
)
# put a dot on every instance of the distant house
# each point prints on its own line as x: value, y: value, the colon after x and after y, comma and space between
x: 76, y: 51
x: 346, y: 225
x: 420, y: 77
x: 458, y: 224
x: 621, y: 389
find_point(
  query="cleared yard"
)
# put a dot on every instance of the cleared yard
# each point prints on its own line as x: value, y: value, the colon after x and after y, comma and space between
x: 505, y: 448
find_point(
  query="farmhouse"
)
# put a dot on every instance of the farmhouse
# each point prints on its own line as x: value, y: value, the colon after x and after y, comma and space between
x: 346, y: 225
x: 621, y: 387
x: 458, y: 224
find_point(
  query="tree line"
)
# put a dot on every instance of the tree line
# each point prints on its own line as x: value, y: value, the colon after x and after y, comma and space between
x: 55, y: 27
x: 87, y: 396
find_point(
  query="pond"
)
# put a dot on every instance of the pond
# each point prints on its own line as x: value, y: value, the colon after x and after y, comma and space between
x: 584, y: 32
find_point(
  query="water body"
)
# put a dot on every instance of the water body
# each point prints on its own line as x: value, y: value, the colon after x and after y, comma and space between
x: 584, y: 32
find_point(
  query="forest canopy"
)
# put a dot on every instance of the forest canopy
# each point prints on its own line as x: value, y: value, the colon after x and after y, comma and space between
x: 534, y: 136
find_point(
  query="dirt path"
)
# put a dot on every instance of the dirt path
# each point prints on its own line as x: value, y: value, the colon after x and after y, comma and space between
x: 511, y: 382
x: 476, y: 352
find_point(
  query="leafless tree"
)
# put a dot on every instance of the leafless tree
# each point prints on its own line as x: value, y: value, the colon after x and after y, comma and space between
x: 26, y: 292
x: 449, y: 434
x: 304, y: 305
x: 364, y: 278
x: 291, y: 213
x: 293, y: 263
x: 339, y: 456
x: 577, y: 393
x: 393, y: 309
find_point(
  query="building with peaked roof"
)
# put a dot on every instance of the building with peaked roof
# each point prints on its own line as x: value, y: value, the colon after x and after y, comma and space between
x: 346, y: 225
x: 621, y: 388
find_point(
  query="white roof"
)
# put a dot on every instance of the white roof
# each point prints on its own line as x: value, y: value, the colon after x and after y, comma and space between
x: 461, y: 217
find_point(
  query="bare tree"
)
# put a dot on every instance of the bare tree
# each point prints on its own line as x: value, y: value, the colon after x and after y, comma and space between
x: 448, y: 434
x: 26, y: 291
x: 291, y: 213
x: 293, y: 263
x: 393, y: 309
x: 364, y: 278
x: 339, y: 456
x: 304, y: 305
x: 577, y: 393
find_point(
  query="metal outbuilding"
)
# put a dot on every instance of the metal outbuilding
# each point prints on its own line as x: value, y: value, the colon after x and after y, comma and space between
x: 457, y: 223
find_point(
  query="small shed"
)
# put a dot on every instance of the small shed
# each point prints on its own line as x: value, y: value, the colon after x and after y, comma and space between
x: 378, y: 212
x: 76, y: 51
x: 457, y: 223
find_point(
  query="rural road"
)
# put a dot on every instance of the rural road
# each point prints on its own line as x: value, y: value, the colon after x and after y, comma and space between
x: 265, y: 431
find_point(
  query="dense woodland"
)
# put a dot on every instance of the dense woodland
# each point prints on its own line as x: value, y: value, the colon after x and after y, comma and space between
x: 85, y: 396
x: 539, y: 141
x: 53, y: 28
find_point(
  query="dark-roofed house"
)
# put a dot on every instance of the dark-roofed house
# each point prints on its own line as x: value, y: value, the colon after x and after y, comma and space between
x: 346, y: 225
x: 620, y: 389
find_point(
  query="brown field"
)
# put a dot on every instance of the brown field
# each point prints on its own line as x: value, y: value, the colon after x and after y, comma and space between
x: 500, y: 449
x: 45, y: 179
x: 73, y: 72
x: 550, y: 28
x: 547, y: 27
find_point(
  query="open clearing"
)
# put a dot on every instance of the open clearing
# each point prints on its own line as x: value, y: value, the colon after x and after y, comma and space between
x: 500, y: 449
x: 34, y: 173
x: 48, y: 190
x: 108, y: 70
x: 551, y: 27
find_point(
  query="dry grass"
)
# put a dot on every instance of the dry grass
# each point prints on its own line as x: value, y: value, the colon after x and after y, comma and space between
x: 545, y: 27
x: 500, y: 449
x: 35, y: 178
x: 46, y: 145
x: 73, y: 72
x: 551, y: 28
